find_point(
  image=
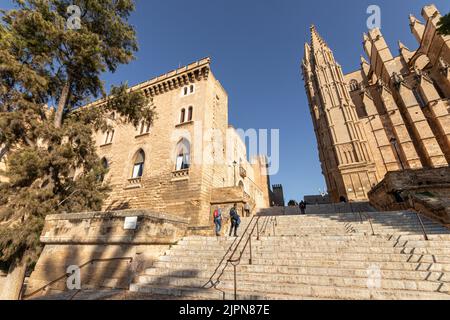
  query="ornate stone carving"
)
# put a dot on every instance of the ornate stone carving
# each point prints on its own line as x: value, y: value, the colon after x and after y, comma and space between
x: 397, y: 80
x: 443, y: 67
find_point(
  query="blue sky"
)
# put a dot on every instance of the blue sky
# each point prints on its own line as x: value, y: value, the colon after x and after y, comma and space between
x: 256, y: 47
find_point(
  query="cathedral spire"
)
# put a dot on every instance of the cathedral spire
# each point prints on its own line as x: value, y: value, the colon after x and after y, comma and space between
x: 307, y: 53
x: 417, y: 28
x: 405, y: 52
x: 317, y: 41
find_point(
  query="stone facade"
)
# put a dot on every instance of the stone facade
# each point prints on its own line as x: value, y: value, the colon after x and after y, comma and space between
x: 390, y: 115
x: 188, y: 152
x: 107, y: 252
x: 425, y: 190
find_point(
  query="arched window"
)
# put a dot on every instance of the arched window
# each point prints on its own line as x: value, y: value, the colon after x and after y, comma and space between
x: 138, y: 165
x: 185, y: 91
x: 182, y: 115
x: 109, y: 136
x: 190, y: 113
x: 145, y: 127
x: 183, y: 157
x: 241, y: 185
x: 105, y: 165
x: 113, y: 116
x: 191, y: 88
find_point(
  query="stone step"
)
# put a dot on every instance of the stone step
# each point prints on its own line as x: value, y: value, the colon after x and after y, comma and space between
x: 291, y: 258
x: 308, y: 241
x: 321, y: 256
x: 262, y: 282
x: 187, y: 250
x: 305, y: 292
x: 303, y: 271
x: 316, y: 223
x: 359, y: 230
x: 431, y: 267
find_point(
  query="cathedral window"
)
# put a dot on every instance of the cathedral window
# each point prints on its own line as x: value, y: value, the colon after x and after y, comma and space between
x: 183, y: 155
x: 138, y: 165
x: 105, y: 165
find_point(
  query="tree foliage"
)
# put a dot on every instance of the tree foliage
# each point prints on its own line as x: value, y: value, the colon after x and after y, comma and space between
x: 444, y: 25
x: 47, y: 73
x: 292, y: 203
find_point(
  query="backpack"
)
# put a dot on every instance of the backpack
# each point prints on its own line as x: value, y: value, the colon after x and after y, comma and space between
x: 235, y: 217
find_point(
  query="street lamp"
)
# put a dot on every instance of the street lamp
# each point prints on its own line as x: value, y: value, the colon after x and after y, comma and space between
x: 394, y: 144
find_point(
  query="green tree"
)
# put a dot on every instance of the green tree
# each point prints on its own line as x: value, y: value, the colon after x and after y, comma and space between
x: 48, y: 71
x: 292, y: 203
x: 444, y: 25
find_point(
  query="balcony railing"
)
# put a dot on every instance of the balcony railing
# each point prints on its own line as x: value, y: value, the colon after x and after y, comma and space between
x: 180, y: 174
x: 134, y: 181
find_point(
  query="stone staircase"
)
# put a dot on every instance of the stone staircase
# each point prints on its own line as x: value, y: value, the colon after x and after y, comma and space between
x: 314, y: 256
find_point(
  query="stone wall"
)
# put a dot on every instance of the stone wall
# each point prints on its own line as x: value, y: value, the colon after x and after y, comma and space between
x: 108, y: 255
x: 2, y: 283
x: 425, y: 190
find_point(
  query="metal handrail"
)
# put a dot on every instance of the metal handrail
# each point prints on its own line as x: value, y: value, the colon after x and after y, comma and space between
x: 215, y: 283
x: 210, y: 281
x: 66, y: 275
x: 425, y: 235
x: 236, y: 262
x: 370, y: 221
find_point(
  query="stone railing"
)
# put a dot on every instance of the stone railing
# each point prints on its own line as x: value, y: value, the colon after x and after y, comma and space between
x: 134, y: 181
x: 109, y: 227
x: 124, y: 243
x: 180, y: 174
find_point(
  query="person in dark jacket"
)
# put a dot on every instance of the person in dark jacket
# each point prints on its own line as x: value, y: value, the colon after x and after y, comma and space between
x: 302, y: 206
x: 235, y: 220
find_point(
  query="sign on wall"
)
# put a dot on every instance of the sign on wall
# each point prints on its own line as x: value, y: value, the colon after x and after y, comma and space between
x: 130, y: 223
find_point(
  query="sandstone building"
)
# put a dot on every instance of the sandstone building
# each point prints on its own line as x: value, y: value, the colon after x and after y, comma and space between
x: 390, y: 115
x: 190, y: 160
